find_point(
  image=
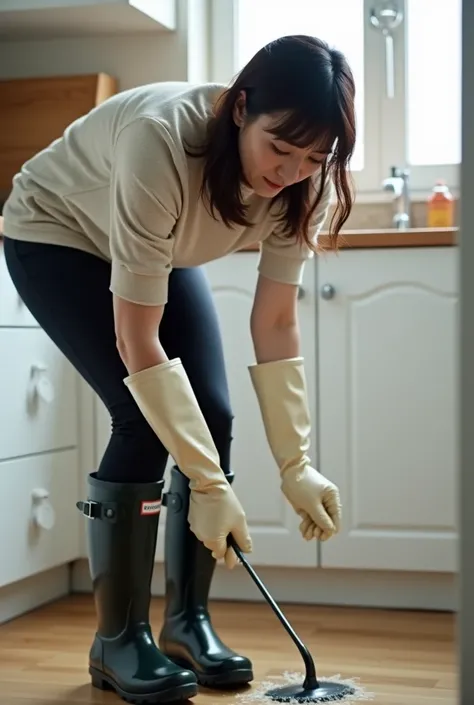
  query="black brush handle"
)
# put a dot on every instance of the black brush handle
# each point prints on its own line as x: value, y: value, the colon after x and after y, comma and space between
x: 311, y: 678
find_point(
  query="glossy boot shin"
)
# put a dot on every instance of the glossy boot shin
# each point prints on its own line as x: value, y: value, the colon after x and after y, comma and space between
x: 187, y: 635
x: 122, y: 532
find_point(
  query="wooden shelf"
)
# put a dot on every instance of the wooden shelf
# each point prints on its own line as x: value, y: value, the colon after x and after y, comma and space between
x: 52, y: 19
x: 55, y: 102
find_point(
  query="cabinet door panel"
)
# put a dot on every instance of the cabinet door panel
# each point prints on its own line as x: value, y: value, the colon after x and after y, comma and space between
x: 387, y: 406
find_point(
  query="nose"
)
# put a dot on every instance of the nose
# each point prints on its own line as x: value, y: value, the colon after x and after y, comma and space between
x: 289, y: 172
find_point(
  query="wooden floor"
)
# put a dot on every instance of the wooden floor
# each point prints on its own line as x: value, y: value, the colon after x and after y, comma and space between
x: 403, y: 658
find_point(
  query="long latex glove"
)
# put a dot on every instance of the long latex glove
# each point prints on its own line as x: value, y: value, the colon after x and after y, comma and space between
x: 167, y: 401
x: 280, y: 387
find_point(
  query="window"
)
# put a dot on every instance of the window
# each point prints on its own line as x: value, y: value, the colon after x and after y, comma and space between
x: 419, y: 126
x: 433, y: 93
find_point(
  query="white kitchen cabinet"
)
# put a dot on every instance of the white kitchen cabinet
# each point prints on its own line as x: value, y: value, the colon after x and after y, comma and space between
x: 40, y: 457
x: 272, y: 522
x: 387, y: 382
x: 39, y: 387
x: 47, y: 19
x: 378, y: 330
x: 39, y: 523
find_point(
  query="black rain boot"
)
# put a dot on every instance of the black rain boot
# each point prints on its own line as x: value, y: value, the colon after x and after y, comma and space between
x: 187, y: 635
x: 122, y: 534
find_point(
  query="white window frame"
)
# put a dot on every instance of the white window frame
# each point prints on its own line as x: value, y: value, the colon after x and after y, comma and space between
x: 385, y: 136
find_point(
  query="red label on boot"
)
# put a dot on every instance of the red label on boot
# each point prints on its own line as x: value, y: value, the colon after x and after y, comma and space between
x: 153, y: 507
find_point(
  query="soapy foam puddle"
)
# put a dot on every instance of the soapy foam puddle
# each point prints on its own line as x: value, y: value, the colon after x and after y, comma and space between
x: 257, y: 694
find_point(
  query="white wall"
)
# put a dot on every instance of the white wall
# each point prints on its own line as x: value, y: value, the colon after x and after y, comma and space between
x: 134, y: 60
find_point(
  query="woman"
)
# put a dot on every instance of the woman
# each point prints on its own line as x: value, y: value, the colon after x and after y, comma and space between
x: 106, y: 230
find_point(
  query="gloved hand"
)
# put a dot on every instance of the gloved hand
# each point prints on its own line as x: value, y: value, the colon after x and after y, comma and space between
x: 315, y: 499
x: 213, y: 514
x: 280, y: 387
x: 166, y: 399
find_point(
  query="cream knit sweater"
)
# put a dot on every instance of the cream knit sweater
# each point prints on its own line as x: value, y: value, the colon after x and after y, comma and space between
x: 119, y: 184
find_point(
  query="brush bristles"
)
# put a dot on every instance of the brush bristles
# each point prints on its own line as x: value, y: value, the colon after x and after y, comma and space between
x: 355, y: 693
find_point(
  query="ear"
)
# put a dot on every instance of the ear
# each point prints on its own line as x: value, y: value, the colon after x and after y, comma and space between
x: 239, y: 112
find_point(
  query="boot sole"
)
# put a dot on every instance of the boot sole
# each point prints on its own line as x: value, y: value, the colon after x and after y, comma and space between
x: 170, y: 695
x: 224, y: 680
x: 227, y: 679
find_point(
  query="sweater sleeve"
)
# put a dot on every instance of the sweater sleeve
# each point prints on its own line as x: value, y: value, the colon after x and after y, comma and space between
x: 281, y: 257
x: 145, y: 204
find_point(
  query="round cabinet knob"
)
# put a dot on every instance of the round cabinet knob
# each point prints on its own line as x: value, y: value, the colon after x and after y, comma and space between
x: 327, y: 291
x: 44, y: 515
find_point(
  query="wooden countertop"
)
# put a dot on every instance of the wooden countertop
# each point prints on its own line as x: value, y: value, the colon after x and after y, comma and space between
x: 389, y: 237
x: 413, y: 237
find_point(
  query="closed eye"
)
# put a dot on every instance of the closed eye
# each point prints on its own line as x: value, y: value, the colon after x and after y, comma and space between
x: 278, y: 151
x: 314, y: 160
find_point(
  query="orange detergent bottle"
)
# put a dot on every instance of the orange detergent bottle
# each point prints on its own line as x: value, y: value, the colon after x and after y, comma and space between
x: 440, y: 206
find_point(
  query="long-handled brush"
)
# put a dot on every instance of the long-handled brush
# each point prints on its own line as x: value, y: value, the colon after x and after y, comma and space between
x: 312, y: 690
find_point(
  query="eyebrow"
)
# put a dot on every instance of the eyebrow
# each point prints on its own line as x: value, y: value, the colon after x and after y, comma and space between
x: 316, y: 153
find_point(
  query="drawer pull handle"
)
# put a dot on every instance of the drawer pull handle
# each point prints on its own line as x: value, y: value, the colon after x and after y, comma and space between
x: 40, y: 385
x: 44, y: 515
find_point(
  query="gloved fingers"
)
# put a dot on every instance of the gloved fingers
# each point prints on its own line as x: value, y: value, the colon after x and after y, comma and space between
x: 241, y: 536
x: 218, y: 547
x: 332, y: 504
x: 319, y: 533
x: 231, y: 559
x: 320, y: 525
x: 306, y: 526
x: 321, y: 518
x: 324, y: 535
x: 221, y: 551
x: 315, y: 532
x: 309, y: 530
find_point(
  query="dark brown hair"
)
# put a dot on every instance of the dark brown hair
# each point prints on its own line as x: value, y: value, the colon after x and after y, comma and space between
x: 312, y: 87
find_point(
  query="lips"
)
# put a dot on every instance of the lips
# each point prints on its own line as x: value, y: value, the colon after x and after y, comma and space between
x: 272, y: 184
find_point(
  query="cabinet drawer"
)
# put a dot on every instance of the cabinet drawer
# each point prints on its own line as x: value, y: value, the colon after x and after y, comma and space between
x: 39, y: 523
x: 39, y: 401
x: 13, y: 311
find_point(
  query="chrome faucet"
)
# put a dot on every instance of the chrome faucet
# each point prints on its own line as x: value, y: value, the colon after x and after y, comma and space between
x: 398, y: 183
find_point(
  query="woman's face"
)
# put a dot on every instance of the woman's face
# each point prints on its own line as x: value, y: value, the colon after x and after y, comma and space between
x: 269, y: 164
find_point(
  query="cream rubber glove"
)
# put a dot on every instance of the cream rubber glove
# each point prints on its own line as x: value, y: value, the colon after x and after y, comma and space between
x: 280, y: 387
x: 166, y: 399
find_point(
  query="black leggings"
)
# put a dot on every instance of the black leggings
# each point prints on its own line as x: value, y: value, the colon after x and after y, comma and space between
x: 67, y: 291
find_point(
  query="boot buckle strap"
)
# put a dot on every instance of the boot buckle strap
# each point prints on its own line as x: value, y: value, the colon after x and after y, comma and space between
x: 97, y: 510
